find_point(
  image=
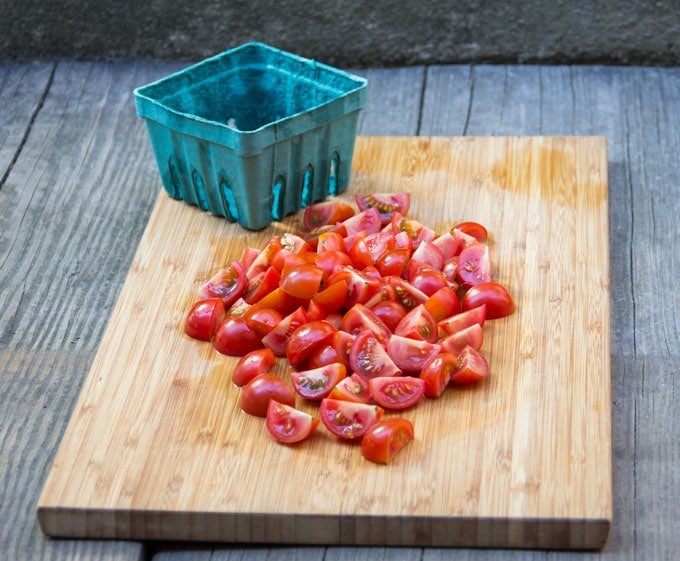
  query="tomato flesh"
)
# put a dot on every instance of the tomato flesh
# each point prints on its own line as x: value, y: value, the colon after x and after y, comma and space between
x: 317, y: 383
x: 369, y: 359
x: 348, y: 420
x: 229, y: 284
x: 396, y: 392
x: 470, y: 367
x: 306, y: 338
x: 287, y: 424
x: 385, y: 439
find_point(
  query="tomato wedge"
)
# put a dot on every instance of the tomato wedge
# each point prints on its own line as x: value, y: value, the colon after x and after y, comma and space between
x: 317, y: 383
x: 471, y: 336
x: 256, y: 394
x: 325, y: 213
x: 369, y: 359
x: 411, y: 355
x: 351, y: 388
x: 302, y: 281
x: 306, y: 338
x: 235, y: 337
x: 287, y: 424
x: 203, y: 318
x: 277, y: 338
x: 229, y: 284
x: 418, y: 324
x: 385, y: 439
x: 348, y: 420
x: 253, y: 364
x: 471, y: 367
x: 474, y: 264
x: 396, y: 392
x: 437, y: 373
x: 474, y: 229
x: 499, y: 303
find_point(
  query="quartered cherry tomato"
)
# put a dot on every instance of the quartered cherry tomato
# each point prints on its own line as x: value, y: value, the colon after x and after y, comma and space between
x: 203, y: 318
x: 498, y: 301
x: 369, y: 359
x: 470, y: 367
x: 235, y: 337
x: 256, y: 394
x: 385, y: 439
x: 325, y: 213
x: 317, y: 383
x: 351, y: 388
x: 306, y: 338
x: 396, y: 392
x: 474, y: 264
x: 437, y: 373
x: 287, y: 424
x: 474, y: 229
x: 253, y: 364
x: 229, y: 284
x: 348, y: 420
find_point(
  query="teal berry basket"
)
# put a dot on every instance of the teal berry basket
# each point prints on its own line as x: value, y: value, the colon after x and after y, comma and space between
x: 254, y: 133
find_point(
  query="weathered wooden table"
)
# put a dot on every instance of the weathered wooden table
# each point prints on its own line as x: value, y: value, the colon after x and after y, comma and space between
x: 75, y: 171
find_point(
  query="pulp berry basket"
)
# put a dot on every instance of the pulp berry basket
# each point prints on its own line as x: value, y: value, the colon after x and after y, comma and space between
x: 254, y: 133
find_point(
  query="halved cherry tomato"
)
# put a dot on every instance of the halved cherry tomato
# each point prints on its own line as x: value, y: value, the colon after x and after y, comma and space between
x: 368, y: 358
x: 229, y: 284
x: 499, y: 303
x: 348, y: 420
x: 306, y: 338
x: 277, y: 338
x: 203, y: 318
x: 235, y: 337
x: 317, y: 383
x: 325, y: 213
x: 418, y: 324
x: 351, y: 388
x: 437, y: 373
x: 474, y: 264
x: 256, y: 394
x: 474, y: 229
x: 396, y: 392
x: 287, y: 424
x: 253, y: 364
x: 470, y: 367
x: 384, y: 439
x: 302, y: 281
x: 411, y: 355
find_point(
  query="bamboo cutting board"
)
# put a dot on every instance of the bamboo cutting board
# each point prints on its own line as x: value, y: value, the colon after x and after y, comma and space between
x: 157, y: 447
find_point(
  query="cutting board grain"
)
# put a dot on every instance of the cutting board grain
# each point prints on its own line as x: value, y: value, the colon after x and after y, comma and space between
x: 157, y: 447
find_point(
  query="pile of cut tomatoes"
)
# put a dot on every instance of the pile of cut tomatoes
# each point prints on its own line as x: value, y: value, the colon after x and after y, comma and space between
x: 373, y: 311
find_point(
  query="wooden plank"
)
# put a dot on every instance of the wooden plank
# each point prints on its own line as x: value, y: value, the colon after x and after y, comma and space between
x: 67, y: 237
x: 129, y: 464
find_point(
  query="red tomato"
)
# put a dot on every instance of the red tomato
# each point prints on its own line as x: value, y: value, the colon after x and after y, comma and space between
x: 351, y: 388
x: 265, y: 257
x: 329, y: 261
x: 429, y: 280
x: 262, y: 320
x: 461, y: 320
x: 470, y: 367
x: 333, y: 297
x: 368, y: 221
x: 380, y: 243
x: 277, y: 338
x: 393, y: 262
x: 253, y: 364
x: 429, y: 254
x: 391, y: 313
x: 229, y: 284
x: 474, y: 264
x: 359, y: 318
x: 323, y: 356
x: 407, y: 295
x: 203, y: 318
x: 261, y: 285
x: 256, y: 394
x: 287, y: 424
x: 359, y: 254
x: 418, y: 324
x: 471, y: 336
x: 361, y: 285
x: 473, y: 229
x: 325, y: 213
x: 396, y: 392
x: 443, y: 303
x: 306, y: 338
x: 368, y: 358
x: 330, y: 241
x: 411, y: 355
x: 317, y: 383
x: 302, y: 281
x: 384, y: 439
x: 348, y: 420
x: 448, y: 244
x: 234, y: 337
x: 437, y: 373
x: 294, y: 243
x: 386, y: 203
x: 280, y: 301
x: 342, y: 343
x: 495, y: 296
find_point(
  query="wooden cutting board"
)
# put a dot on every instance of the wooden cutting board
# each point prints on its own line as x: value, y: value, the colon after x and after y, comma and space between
x: 157, y: 447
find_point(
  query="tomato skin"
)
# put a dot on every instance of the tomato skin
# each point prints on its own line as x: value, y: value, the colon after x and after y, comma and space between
x: 443, y: 303
x: 461, y: 320
x: 351, y: 388
x: 393, y: 262
x: 360, y: 318
x: 499, y: 303
x: 302, y: 281
x: 385, y: 439
x: 256, y: 394
x: 437, y: 373
x: 429, y: 280
x: 348, y: 420
x: 325, y: 213
x: 229, y: 284
x: 396, y: 392
x: 280, y: 301
x: 342, y: 343
x: 261, y: 285
x: 471, y: 367
x: 391, y: 313
x: 368, y: 221
x: 306, y: 338
x: 317, y: 383
x: 277, y: 338
x: 204, y: 318
x: 252, y: 364
x: 474, y: 229
x: 262, y: 320
x: 235, y: 337
x: 332, y: 297
x: 369, y: 359
x: 287, y: 424
x: 323, y: 356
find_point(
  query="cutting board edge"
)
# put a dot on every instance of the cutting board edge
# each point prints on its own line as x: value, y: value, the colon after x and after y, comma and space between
x: 586, y: 534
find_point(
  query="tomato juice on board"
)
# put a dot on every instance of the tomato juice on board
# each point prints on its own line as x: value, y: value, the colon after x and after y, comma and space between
x: 371, y: 310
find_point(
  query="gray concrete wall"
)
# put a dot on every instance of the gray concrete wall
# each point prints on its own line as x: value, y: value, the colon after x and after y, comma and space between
x: 346, y: 33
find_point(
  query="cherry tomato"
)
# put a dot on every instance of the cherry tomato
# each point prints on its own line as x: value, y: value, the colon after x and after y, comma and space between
x: 429, y: 280
x: 325, y: 213
x: 280, y: 301
x: 368, y: 221
x: 391, y: 313
x: 277, y: 338
x: 443, y: 303
x: 333, y: 297
x: 287, y: 424
x: 351, y: 388
x: 474, y: 264
x: 411, y: 355
x: 261, y: 285
x: 302, y: 281
x: 331, y: 260
x: 385, y: 438
x: 393, y: 262
x: 256, y: 394
x: 448, y: 244
x: 396, y: 392
x: 429, y: 254
x: 473, y: 229
x: 323, y: 356
x: 317, y: 383
x: 253, y: 364
x: 306, y: 338
x: 203, y: 318
x: 330, y: 241
x: 342, y: 343
x: 348, y: 420
x: 418, y: 324
x: 386, y: 203
x: 461, y: 320
x: 499, y: 303
x: 471, y: 335
x: 235, y: 337
x: 262, y: 320
x: 359, y: 318
x: 407, y: 295
x: 359, y: 254
x: 368, y: 358
x: 380, y: 243
x: 437, y: 373
x: 470, y: 367
x: 229, y: 284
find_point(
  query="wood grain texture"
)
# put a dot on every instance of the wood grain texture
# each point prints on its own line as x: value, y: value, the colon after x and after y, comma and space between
x: 158, y: 449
